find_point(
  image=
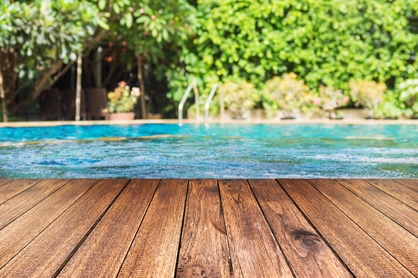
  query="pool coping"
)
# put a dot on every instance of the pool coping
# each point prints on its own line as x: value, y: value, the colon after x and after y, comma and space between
x: 175, y: 121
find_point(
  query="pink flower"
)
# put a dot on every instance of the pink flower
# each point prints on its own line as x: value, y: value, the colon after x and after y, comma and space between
x: 153, y: 17
x: 122, y: 84
x: 345, y: 99
x: 141, y: 11
x: 317, y: 101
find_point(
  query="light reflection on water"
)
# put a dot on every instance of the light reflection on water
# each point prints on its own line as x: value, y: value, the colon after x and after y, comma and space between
x: 230, y: 151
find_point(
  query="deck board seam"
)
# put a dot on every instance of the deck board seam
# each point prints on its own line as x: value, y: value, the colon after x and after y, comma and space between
x: 35, y: 183
x: 363, y: 230
x: 45, y: 228
x: 89, y: 231
x: 227, y: 238
x: 35, y: 204
x: 269, y: 225
x: 392, y: 195
x: 377, y: 209
x: 314, y: 227
x: 137, y: 229
x: 405, y: 185
x: 183, y: 223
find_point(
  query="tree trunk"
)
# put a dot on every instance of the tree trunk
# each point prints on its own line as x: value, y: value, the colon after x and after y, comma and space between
x: 78, y: 86
x: 142, y: 85
x: 39, y: 86
x: 3, y: 98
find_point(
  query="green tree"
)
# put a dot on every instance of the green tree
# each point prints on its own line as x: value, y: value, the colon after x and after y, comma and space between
x: 155, y: 31
x: 37, y: 38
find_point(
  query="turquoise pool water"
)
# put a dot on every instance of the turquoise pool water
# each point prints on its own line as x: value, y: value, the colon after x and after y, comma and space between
x: 229, y: 151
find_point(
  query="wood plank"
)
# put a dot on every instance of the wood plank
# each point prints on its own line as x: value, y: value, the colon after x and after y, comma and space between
x: 204, y: 247
x: 398, y: 242
x: 411, y: 183
x: 17, y: 205
x: 11, y: 189
x: 24, y: 229
x: 306, y: 252
x: 154, y: 250
x: 104, y: 250
x: 358, y: 250
x: 397, y: 190
x: 4, y: 181
x: 387, y: 204
x: 254, y: 250
x: 46, y: 254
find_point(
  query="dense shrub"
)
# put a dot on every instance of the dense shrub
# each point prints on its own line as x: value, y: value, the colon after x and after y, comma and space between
x: 329, y: 42
x: 287, y: 94
x: 239, y: 97
x: 409, y: 96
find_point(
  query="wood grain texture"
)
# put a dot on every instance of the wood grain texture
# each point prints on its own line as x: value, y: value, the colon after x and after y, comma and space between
x: 102, y: 253
x: 208, y: 228
x: 14, y: 187
x: 4, y: 181
x: 399, y: 191
x: 17, y: 205
x: 204, y: 247
x: 254, y: 250
x: 24, y: 229
x: 305, y: 250
x: 155, y: 247
x: 388, y: 234
x: 47, y: 253
x: 387, y: 204
x: 411, y: 183
x: 359, y: 252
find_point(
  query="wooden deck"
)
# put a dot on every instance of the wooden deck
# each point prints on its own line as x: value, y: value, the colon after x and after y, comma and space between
x: 208, y: 228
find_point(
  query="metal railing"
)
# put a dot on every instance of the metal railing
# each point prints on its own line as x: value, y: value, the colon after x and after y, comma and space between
x: 209, y: 100
x: 183, y: 100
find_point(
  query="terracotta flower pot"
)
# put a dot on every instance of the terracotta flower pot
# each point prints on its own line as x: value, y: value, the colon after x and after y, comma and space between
x: 121, y: 116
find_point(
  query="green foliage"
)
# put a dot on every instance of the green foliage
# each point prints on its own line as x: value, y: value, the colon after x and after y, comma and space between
x: 409, y: 96
x: 287, y: 94
x: 239, y: 97
x: 41, y: 32
x: 329, y: 42
x: 156, y: 29
x: 389, y: 107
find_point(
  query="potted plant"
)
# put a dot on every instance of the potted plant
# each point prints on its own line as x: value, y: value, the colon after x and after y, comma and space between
x: 121, y: 102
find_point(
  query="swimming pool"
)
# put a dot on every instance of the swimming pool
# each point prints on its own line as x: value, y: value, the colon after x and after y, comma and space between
x: 219, y: 151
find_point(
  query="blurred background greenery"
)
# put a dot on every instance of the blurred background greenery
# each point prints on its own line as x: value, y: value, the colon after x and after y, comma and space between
x: 281, y: 55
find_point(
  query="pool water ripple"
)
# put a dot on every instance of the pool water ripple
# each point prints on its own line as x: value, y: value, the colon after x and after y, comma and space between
x: 230, y: 151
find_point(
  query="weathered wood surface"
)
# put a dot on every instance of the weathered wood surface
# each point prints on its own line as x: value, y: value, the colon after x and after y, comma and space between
x: 208, y: 228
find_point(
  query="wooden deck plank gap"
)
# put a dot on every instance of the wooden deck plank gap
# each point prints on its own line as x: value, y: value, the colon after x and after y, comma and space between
x: 89, y: 231
x: 137, y: 230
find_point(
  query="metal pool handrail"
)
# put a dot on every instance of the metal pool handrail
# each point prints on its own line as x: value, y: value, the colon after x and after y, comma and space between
x: 209, y: 100
x: 183, y: 100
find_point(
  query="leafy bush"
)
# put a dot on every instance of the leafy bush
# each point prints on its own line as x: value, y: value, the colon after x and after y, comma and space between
x: 287, y: 94
x: 326, y: 42
x: 329, y: 99
x: 367, y: 93
x: 390, y: 107
x: 240, y: 97
x: 409, y: 96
